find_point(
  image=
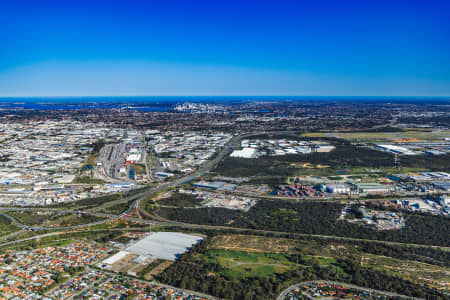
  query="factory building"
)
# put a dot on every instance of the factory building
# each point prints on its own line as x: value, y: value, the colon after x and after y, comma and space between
x: 245, y: 153
x: 372, y: 188
x: 445, y: 186
x: 163, y: 174
x: 444, y: 200
x: 209, y: 185
x: 338, y: 188
x: 395, y: 149
x: 434, y: 152
x: 324, y: 148
x: 133, y: 158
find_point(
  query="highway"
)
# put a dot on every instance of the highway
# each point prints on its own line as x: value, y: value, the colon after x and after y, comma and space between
x: 165, y: 222
x: 107, y: 217
x: 146, y: 193
x: 141, y: 196
x: 54, y: 233
x: 208, y: 166
x: 228, y: 147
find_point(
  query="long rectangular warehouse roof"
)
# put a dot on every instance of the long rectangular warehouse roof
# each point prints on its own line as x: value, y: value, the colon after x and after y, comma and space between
x: 165, y: 245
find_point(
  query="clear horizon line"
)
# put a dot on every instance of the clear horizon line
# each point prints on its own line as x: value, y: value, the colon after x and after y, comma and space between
x: 137, y: 96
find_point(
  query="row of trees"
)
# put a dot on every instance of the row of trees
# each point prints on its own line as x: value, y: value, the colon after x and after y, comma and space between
x: 315, y: 218
x: 443, y: 121
x: 431, y: 255
x: 191, y: 273
x: 345, y: 155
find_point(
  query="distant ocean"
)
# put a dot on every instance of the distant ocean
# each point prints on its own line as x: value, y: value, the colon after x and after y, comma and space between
x: 165, y: 103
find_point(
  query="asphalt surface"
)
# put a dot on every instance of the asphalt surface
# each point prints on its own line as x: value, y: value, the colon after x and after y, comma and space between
x: 283, y: 294
x: 138, y: 198
x: 154, y: 190
x: 107, y: 217
x: 112, y: 153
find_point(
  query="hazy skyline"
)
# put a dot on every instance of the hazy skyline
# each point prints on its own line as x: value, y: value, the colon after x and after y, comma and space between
x: 311, y: 48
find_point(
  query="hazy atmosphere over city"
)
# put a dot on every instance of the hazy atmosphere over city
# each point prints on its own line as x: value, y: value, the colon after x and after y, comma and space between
x: 187, y: 150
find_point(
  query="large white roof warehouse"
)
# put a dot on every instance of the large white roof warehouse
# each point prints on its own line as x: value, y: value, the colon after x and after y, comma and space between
x: 116, y: 257
x: 245, y: 153
x: 164, y: 245
x: 396, y: 149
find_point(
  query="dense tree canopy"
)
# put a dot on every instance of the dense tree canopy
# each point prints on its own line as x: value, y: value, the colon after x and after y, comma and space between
x: 315, y: 218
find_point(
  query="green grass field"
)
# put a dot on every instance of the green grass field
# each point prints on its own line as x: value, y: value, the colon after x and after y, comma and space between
x: 7, y: 227
x: 239, y: 264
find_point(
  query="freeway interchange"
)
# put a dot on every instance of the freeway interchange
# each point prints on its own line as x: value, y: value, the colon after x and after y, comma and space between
x: 146, y: 193
x: 138, y: 199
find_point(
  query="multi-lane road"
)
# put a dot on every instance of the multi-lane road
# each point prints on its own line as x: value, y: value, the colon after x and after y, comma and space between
x: 107, y: 155
x: 111, y: 153
x: 139, y: 198
x: 107, y: 217
x: 284, y: 293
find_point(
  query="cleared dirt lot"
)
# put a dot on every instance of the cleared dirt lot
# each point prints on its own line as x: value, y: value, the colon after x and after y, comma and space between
x: 253, y: 243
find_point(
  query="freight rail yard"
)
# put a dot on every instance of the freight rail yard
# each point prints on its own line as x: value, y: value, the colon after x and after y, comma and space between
x: 116, y: 161
x: 51, y: 162
x: 238, y: 214
x: 225, y: 150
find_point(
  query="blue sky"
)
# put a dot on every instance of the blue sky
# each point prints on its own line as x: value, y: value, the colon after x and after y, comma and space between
x: 164, y: 47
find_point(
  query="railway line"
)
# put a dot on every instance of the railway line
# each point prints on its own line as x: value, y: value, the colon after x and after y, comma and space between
x: 139, y: 198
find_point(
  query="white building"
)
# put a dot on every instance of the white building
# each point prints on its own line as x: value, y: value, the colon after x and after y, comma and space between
x: 163, y: 174
x: 338, y: 188
x: 133, y: 158
x: 245, y: 153
x: 444, y: 200
x: 324, y: 148
x: 64, y: 179
x: 395, y: 149
x: 372, y: 188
